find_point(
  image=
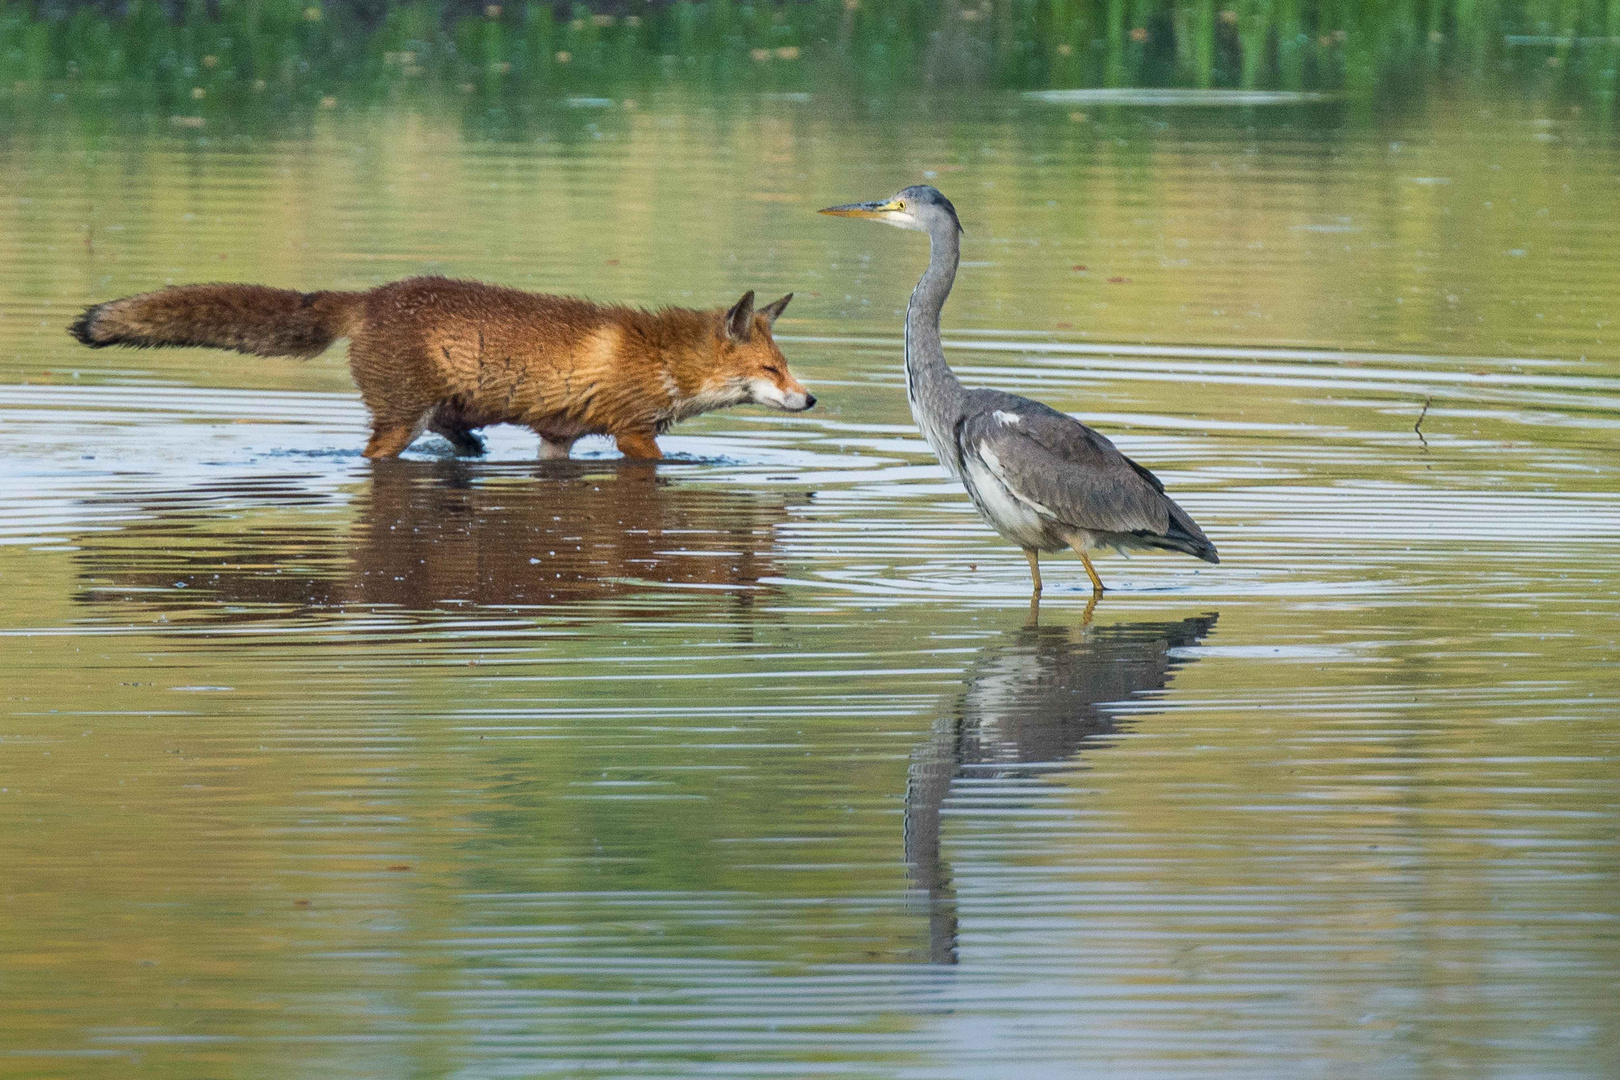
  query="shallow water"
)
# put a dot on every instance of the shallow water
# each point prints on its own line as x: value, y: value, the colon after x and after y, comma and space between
x: 750, y: 763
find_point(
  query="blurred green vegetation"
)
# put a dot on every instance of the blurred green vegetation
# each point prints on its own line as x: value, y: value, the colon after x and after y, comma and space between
x: 194, y: 57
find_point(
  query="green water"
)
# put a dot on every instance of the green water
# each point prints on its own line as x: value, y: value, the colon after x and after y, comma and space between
x: 272, y: 59
x: 750, y: 763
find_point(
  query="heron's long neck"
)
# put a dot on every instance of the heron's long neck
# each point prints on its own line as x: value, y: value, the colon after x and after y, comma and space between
x: 932, y: 388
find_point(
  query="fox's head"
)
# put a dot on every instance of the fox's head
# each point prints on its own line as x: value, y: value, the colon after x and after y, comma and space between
x: 751, y: 364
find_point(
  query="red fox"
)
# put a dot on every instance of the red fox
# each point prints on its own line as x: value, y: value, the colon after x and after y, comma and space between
x: 448, y: 356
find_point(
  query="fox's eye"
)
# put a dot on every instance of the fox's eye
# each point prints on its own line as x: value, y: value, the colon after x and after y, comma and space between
x: 772, y: 370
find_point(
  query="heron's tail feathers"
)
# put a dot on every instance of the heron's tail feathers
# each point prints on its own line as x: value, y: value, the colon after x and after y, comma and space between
x: 1183, y: 535
x: 252, y: 319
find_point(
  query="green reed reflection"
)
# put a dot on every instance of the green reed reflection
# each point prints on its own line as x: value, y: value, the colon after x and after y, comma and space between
x: 264, y: 55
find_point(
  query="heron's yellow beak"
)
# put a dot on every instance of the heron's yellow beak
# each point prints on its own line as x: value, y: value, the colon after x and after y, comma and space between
x: 863, y: 209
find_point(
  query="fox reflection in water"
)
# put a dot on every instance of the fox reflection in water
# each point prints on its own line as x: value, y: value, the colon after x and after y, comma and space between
x: 445, y: 535
x: 1028, y: 706
x: 576, y: 537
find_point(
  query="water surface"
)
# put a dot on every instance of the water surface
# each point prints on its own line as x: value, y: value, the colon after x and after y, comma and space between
x: 753, y: 762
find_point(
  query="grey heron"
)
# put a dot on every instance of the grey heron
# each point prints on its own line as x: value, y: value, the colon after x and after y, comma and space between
x: 1041, y: 478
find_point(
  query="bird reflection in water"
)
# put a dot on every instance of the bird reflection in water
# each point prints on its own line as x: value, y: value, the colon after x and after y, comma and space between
x: 1028, y: 705
x: 427, y: 536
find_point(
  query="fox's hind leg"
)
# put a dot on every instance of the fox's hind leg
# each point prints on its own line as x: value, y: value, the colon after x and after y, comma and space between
x: 397, y: 390
x: 395, y: 429
x: 465, y: 442
x: 387, y: 440
x: 639, y: 444
x: 449, y: 421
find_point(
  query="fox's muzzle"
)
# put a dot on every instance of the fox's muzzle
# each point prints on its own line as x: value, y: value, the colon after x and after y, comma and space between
x: 765, y: 392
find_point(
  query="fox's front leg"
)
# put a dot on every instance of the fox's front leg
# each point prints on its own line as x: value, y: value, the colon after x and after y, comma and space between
x: 555, y: 449
x: 638, y: 444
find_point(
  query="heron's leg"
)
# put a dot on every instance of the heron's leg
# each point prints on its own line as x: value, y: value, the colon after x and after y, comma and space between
x: 1096, y: 582
x: 1034, y: 616
x: 1034, y: 558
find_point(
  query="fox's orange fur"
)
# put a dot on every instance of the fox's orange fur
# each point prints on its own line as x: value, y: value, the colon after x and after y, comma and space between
x: 451, y: 356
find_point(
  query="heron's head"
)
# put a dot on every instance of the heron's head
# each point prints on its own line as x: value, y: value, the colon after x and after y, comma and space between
x: 921, y: 208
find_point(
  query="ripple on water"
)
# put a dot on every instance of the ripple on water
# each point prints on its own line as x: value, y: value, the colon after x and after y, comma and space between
x: 750, y: 763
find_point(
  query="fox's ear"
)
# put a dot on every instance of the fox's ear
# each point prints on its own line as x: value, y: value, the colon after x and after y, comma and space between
x: 740, y: 319
x: 775, y: 308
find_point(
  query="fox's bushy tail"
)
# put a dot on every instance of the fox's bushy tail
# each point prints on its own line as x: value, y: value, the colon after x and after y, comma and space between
x: 252, y: 319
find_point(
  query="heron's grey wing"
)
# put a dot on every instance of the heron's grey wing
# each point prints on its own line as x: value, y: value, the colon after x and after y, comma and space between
x: 1061, y: 468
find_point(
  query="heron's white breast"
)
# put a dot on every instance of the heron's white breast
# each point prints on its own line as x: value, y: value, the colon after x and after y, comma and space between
x: 1006, y: 512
